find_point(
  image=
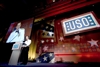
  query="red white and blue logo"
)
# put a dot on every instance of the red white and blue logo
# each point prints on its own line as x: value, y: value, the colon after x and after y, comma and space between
x: 79, y: 24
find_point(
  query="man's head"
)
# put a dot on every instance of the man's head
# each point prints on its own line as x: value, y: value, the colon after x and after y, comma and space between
x: 18, y: 25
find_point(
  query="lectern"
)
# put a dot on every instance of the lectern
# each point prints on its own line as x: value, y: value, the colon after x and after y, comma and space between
x: 16, y: 50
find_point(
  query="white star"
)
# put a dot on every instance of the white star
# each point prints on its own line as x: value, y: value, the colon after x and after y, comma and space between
x: 61, y: 39
x: 45, y: 48
x: 38, y: 61
x: 52, y: 40
x: 50, y: 54
x: 93, y: 42
x: 73, y: 49
x: 42, y: 41
x: 45, y: 58
x: 77, y: 38
x: 63, y: 45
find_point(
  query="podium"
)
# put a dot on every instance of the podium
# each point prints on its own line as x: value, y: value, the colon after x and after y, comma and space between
x: 16, y: 51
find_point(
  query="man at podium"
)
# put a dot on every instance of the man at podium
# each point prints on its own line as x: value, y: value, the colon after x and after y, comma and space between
x: 17, y: 34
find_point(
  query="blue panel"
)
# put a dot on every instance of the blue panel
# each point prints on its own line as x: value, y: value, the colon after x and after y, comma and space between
x: 15, y: 46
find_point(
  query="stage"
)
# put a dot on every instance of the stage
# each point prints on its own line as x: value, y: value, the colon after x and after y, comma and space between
x: 65, y: 64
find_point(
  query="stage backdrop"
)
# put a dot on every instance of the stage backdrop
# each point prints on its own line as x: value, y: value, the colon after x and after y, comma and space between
x: 79, y: 47
x: 42, y: 37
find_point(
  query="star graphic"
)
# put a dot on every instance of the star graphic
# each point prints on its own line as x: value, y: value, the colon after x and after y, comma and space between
x: 50, y: 54
x: 38, y: 61
x: 45, y: 58
x: 61, y: 39
x: 73, y: 49
x: 63, y: 45
x: 50, y: 28
x: 52, y: 40
x: 77, y: 38
x: 42, y: 41
x: 45, y: 48
x: 93, y: 42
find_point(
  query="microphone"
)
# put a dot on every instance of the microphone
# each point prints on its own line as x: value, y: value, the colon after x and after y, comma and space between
x: 17, y: 31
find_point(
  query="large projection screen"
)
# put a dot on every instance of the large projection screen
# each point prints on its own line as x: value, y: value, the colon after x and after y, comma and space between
x: 16, y: 36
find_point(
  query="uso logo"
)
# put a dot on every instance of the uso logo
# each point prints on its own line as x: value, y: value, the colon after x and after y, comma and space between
x: 79, y: 24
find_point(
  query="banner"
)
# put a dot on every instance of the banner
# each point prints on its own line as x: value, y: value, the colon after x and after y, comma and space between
x: 78, y: 24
